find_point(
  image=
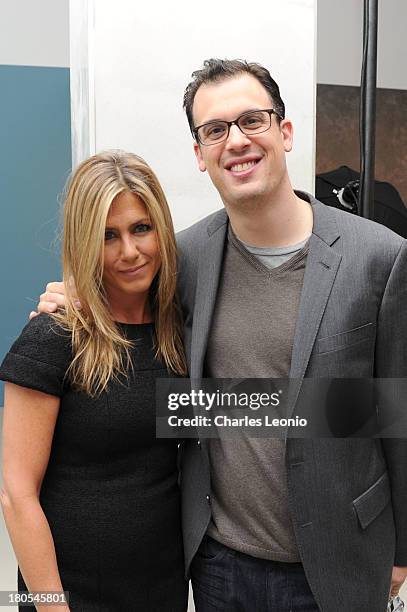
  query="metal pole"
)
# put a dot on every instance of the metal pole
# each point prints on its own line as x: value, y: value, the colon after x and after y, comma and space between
x: 368, y: 108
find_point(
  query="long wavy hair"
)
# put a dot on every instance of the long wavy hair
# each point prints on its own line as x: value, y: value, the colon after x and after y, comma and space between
x: 100, y: 351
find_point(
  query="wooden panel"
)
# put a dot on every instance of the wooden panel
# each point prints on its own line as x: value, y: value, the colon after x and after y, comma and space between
x: 337, y: 132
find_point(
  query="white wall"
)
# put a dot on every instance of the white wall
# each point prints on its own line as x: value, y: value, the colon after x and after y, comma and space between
x: 142, y: 60
x: 340, y: 35
x: 34, y: 33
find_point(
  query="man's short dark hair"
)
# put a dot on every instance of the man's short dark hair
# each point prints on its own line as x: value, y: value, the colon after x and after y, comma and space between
x: 217, y: 70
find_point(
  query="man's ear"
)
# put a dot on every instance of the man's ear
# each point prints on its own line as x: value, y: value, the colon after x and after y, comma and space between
x: 287, y: 133
x: 198, y: 154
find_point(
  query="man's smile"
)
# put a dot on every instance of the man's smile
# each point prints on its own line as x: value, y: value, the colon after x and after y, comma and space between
x: 242, y: 166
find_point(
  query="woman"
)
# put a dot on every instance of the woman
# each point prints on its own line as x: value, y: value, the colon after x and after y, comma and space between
x: 90, y: 496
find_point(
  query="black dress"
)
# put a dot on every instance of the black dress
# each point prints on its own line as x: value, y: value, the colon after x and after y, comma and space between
x: 110, y: 491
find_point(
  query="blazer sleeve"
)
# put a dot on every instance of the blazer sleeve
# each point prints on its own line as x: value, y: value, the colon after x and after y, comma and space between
x: 391, y: 362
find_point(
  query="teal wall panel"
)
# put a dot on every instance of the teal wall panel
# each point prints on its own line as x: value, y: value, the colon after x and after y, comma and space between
x: 35, y: 161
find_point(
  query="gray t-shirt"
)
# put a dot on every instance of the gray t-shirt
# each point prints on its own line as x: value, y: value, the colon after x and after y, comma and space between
x: 272, y: 257
x: 252, y: 337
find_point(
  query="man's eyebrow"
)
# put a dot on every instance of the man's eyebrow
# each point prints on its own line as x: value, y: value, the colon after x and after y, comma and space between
x: 249, y: 110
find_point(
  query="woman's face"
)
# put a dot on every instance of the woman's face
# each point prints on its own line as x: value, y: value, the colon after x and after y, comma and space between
x: 131, y: 254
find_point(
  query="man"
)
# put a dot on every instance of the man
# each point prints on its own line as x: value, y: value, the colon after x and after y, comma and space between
x: 278, y: 285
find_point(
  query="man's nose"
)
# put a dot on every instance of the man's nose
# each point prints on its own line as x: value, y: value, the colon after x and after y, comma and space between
x: 236, y: 138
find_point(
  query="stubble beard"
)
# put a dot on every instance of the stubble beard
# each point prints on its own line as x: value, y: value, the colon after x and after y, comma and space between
x: 254, y: 202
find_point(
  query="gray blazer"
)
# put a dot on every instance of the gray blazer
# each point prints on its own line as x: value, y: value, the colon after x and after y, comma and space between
x: 348, y: 497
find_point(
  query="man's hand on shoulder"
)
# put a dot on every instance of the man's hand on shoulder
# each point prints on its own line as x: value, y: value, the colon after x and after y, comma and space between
x: 398, y: 576
x: 52, y: 299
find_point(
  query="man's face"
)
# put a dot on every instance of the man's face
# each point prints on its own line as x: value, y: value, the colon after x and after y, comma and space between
x: 242, y: 168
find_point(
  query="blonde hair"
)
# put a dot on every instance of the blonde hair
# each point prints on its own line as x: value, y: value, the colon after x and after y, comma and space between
x: 100, y: 351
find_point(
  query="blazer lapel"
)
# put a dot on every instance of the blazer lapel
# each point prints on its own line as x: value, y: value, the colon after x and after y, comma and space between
x: 320, y: 272
x: 209, y: 269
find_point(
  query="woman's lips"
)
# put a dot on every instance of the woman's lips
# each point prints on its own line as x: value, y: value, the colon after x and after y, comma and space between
x: 133, y: 271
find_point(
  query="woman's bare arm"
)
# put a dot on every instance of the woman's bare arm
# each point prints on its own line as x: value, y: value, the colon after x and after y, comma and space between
x: 28, y: 427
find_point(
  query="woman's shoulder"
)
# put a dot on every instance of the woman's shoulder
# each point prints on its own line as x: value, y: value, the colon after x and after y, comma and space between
x: 40, y: 357
x: 44, y: 323
x: 44, y: 335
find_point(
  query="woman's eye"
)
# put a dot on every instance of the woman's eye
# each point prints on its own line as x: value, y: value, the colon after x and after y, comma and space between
x: 141, y: 228
x: 109, y: 235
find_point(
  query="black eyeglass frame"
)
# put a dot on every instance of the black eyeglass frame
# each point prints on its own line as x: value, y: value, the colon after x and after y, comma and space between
x: 270, y: 112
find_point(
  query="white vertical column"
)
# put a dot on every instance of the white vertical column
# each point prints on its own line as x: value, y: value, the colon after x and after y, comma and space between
x: 82, y: 53
x: 128, y: 79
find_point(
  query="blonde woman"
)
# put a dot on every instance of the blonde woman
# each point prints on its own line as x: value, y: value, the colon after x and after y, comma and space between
x: 90, y: 496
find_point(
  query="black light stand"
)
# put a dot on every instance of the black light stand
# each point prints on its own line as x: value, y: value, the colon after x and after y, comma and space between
x: 368, y: 110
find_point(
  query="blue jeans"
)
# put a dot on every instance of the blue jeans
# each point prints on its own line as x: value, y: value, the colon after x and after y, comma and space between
x: 224, y: 580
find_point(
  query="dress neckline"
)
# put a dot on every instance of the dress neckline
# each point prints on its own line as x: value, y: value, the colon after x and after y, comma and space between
x: 134, y: 324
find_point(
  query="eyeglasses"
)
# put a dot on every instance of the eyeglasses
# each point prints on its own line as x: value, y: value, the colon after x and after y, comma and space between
x: 249, y: 123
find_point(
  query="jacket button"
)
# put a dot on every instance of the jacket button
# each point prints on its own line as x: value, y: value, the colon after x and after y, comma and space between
x: 199, y: 443
x: 208, y: 498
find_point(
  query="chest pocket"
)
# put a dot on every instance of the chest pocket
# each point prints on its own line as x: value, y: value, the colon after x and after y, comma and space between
x: 345, y: 339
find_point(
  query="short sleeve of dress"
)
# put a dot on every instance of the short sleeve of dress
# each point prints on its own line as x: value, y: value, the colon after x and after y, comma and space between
x: 40, y: 357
